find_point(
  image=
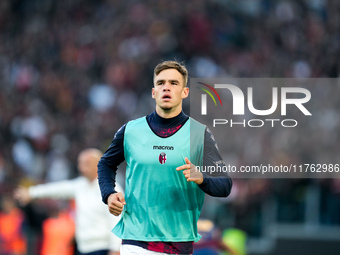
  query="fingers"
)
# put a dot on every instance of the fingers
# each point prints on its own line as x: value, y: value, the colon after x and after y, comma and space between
x: 116, y: 202
x: 115, y: 212
x: 121, y: 198
x: 186, y: 166
x: 190, y: 172
x: 193, y: 176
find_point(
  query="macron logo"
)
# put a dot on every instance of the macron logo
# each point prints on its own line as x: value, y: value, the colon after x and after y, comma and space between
x: 160, y: 147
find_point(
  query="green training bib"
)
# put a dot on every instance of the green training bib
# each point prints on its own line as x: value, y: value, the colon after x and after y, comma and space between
x: 160, y: 204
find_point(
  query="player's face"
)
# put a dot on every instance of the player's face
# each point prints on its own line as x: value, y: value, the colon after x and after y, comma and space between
x: 168, y: 92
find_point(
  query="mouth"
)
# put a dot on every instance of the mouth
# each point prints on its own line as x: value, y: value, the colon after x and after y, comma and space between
x: 166, y: 97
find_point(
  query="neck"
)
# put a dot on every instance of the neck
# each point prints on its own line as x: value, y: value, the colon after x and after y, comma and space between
x: 91, y: 179
x: 167, y: 114
x: 160, y: 121
x: 166, y: 127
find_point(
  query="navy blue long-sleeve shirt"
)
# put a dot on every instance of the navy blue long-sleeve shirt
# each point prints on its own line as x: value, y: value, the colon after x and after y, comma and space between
x: 114, y: 156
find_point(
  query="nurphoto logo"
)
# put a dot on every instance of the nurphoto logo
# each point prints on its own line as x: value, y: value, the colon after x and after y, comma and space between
x: 280, y: 98
x: 204, y: 97
x: 269, y: 127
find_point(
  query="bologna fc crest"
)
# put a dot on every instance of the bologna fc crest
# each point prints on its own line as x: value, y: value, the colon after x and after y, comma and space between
x: 162, y: 158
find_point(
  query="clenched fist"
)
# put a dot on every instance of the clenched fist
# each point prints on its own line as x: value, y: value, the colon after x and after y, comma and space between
x: 116, y: 202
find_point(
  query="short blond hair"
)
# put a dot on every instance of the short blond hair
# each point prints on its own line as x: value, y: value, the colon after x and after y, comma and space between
x: 169, y: 64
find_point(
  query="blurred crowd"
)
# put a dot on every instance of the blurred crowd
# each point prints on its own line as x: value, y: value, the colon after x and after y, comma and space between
x: 72, y: 72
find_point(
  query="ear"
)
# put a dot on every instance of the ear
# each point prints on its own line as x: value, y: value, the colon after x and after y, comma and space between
x: 153, y: 92
x: 185, y: 92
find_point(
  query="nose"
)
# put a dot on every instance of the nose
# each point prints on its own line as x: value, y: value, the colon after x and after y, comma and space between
x: 166, y: 86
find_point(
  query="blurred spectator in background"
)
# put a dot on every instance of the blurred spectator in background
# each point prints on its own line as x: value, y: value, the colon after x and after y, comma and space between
x: 93, y: 222
x: 12, y: 241
x: 58, y: 231
x: 212, y: 242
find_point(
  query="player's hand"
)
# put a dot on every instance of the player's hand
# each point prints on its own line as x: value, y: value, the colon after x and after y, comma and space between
x: 116, y: 202
x: 190, y: 172
x: 22, y: 195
